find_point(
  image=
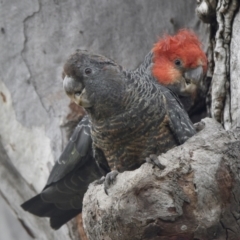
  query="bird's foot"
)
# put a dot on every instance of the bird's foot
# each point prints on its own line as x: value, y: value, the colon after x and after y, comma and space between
x: 109, y: 180
x: 199, y: 126
x: 153, y: 159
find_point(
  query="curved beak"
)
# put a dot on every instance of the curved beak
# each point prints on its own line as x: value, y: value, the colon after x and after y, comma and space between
x: 194, y: 75
x: 76, y: 91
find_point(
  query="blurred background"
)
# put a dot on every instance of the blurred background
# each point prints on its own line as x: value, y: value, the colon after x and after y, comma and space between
x: 36, y: 37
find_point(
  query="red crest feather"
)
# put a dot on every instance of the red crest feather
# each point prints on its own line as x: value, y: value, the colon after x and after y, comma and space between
x: 184, y: 46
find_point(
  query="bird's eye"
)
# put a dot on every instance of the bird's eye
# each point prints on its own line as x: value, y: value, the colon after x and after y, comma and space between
x: 178, y: 63
x: 88, y: 71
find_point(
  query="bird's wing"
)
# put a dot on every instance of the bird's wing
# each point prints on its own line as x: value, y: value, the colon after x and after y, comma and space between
x: 180, y: 123
x: 61, y: 199
x: 58, y: 217
x: 75, y: 154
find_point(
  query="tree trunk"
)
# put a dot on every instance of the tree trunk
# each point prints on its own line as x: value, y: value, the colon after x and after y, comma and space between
x: 15, y: 190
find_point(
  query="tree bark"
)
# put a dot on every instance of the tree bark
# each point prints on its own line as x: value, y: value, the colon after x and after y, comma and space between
x: 223, y: 17
x: 14, y: 190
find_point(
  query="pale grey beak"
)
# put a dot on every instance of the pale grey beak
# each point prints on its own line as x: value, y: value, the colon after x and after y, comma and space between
x: 194, y: 75
x: 76, y: 92
x: 71, y: 86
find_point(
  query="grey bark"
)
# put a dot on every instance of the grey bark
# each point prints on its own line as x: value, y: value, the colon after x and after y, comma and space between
x: 15, y: 190
x: 224, y: 28
x: 234, y: 98
x: 221, y: 82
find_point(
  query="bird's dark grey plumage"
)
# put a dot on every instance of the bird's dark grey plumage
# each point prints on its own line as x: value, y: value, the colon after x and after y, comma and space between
x: 132, y: 116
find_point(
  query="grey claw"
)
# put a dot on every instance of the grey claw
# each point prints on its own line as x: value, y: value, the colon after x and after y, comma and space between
x: 199, y: 126
x: 109, y: 180
x: 148, y: 160
x: 153, y: 159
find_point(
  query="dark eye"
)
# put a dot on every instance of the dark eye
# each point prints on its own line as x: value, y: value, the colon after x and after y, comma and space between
x: 88, y: 71
x: 178, y: 63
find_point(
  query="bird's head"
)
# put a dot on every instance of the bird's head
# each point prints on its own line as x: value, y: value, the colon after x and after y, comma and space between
x: 92, y: 81
x: 179, y: 56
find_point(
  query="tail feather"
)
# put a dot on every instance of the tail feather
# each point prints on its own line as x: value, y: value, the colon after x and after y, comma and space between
x: 57, y: 216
